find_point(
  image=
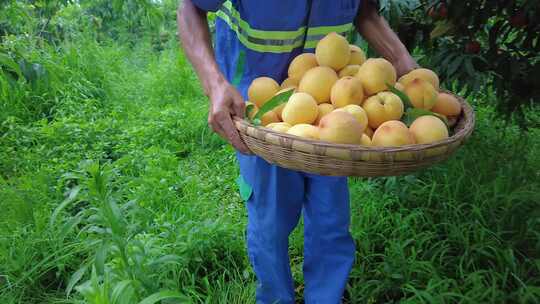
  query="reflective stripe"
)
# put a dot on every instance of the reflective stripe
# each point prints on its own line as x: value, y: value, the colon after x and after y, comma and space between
x: 257, y: 40
x: 324, y: 30
x: 258, y: 44
x: 314, y: 34
x: 263, y: 37
x: 311, y: 41
x: 275, y: 41
x: 228, y: 9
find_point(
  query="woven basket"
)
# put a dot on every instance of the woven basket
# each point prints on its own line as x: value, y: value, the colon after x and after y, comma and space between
x: 325, y: 158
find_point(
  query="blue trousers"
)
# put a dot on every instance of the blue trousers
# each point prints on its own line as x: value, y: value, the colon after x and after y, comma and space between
x: 279, y: 196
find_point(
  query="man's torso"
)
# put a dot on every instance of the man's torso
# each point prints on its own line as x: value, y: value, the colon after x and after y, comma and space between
x: 260, y: 38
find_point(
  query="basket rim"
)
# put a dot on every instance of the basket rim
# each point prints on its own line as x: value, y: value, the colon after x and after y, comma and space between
x: 466, y: 119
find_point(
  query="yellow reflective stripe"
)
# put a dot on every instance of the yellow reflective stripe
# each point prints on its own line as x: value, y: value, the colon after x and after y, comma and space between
x: 262, y: 34
x: 275, y: 41
x: 313, y: 40
x: 314, y: 34
x: 255, y: 46
x: 323, y: 30
x: 310, y: 44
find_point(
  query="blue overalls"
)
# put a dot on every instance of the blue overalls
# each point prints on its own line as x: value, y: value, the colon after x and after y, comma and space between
x: 260, y: 38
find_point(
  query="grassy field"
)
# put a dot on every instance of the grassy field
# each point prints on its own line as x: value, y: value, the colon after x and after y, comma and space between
x: 123, y: 192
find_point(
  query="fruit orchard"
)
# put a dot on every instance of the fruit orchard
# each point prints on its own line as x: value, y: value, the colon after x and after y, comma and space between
x: 477, y: 43
x: 113, y: 189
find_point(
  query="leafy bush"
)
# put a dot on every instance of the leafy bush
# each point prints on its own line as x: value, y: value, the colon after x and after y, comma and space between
x: 479, y: 44
x: 40, y: 68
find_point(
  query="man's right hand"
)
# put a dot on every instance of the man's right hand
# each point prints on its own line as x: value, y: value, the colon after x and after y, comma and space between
x: 226, y: 102
x: 224, y: 98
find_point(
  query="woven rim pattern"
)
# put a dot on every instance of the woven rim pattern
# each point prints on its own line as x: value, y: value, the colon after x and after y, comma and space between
x: 325, y: 158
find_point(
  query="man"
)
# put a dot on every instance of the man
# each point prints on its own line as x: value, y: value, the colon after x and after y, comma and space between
x: 260, y: 38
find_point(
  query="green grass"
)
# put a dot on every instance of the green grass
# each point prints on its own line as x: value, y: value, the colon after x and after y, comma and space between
x: 122, y: 178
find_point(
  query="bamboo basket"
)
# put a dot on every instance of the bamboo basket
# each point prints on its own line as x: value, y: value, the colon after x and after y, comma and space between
x: 325, y: 158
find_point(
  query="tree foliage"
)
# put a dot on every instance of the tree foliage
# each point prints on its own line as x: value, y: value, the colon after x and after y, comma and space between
x: 480, y: 44
x: 34, y: 32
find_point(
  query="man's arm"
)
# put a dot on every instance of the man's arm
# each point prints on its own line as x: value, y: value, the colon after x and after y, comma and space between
x: 224, y: 98
x: 380, y: 37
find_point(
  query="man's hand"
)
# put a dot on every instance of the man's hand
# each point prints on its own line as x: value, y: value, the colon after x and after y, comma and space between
x: 404, y: 64
x: 382, y: 39
x: 226, y: 101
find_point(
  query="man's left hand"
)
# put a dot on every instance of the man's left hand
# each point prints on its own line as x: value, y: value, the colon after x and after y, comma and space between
x: 404, y: 64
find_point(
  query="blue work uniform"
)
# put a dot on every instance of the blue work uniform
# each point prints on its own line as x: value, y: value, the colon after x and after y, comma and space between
x: 260, y: 38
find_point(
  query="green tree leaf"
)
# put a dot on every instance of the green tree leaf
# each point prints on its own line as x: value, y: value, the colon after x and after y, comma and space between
x: 272, y: 104
x: 441, y: 27
x: 454, y: 65
x: 249, y: 109
x: 406, y: 100
x: 414, y: 113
